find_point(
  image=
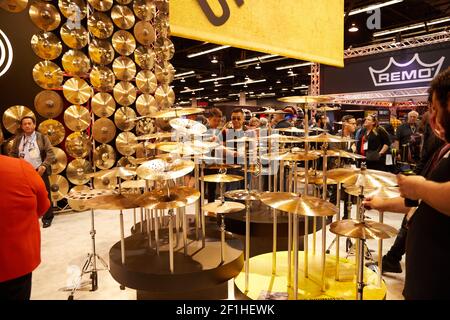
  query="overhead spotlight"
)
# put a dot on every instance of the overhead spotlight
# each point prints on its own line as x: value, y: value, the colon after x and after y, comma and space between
x: 258, y: 66
x: 216, y: 82
x: 270, y: 88
x: 245, y: 86
x: 214, y: 75
x: 353, y: 28
x: 247, y: 78
x: 214, y: 60
x: 278, y: 81
x: 182, y: 80
x: 290, y: 71
x: 216, y: 90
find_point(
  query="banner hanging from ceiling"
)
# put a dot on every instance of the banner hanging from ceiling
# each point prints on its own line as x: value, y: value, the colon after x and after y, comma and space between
x: 301, y: 29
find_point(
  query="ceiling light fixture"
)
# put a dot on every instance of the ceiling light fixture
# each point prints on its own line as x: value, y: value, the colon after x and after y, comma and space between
x: 214, y: 60
x: 278, y: 81
x: 192, y: 90
x: 216, y: 79
x: 182, y: 80
x: 412, y: 27
x: 180, y: 75
x: 269, y: 56
x: 373, y: 7
x: 214, y: 75
x: 258, y: 66
x: 294, y: 66
x: 193, y: 55
x: 301, y: 87
x: 248, y: 82
x: 353, y: 28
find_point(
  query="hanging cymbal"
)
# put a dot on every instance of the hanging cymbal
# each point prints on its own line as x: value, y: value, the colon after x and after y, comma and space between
x: 144, y: 9
x: 222, y: 178
x: 78, y: 205
x: 105, y: 183
x: 383, y: 192
x: 74, y: 10
x: 124, y: 93
x: 223, y: 207
x: 363, y: 177
x: 115, y: 172
x: 146, y: 81
x: 187, y: 126
x: 124, y: 68
x: 77, y: 90
x: 13, y: 115
x: 177, y: 112
x: 101, y: 5
x: 77, y: 118
x: 54, y: 130
x: 123, y: 42
x: 102, y: 78
x: 103, y: 130
x: 75, y: 62
x: 222, y: 166
x: 47, y: 75
x: 164, y: 48
x: 104, y: 156
x: 165, y: 169
x: 74, y: 36
x: 126, y: 143
x: 100, y: 25
x: 58, y: 187
x: 113, y: 202
x: 77, y: 171
x: 103, y: 104
x: 144, y: 33
x: 159, y: 199
x: 363, y: 229
x: 14, y: 6
x: 78, y: 145
x: 306, y: 99
x: 144, y: 57
x: 243, y: 195
x: 101, y: 51
x: 326, y: 137
x: 44, y: 15
x: 60, y: 162
x: 48, y: 103
x: 46, y: 45
x: 165, y: 72
x: 146, y: 105
x: 122, y: 116
x: 122, y: 16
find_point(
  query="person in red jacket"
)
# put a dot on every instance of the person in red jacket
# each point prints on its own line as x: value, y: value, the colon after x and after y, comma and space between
x: 23, y: 200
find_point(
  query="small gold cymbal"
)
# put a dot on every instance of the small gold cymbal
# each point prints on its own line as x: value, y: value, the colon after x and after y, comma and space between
x: 105, y: 183
x: 123, y: 42
x: 101, y: 51
x: 243, y: 195
x: 128, y: 164
x: 178, y: 197
x: 144, y: 33
x: 104, y: 156
x: 122, y: 16
x: 78, y: 145
x: 144, y: 9
x: 115, y: 172
x: 126, y: 143
x: 222, y: 178
x: 58, y: 187
x: 181, y: 148
x: 13, y: 115
x: 165, y: 97
x: 125, y: 93
x: 165, y: 72
x: 122, y: 117
x: 363, y: 229
x: 103, y: 130
x: 74, y: 36
x: 144, y: 57
x: 77, y: 118
x: 48, y: 103
x: 78, y: 170
x: 102, y: 78
x: 60, y: 162
x: 44, y: 15
x: 46, y: 45
x: 223, y: 207
x: 54, y: 130
x: 146, y: 105
x: 124, y: 68
x: 75, y: 62
x: 101, y: 5
x: 100, y: 25
x: 103, y: 104
x: 134, y: 184
x: 146, y: 81
x: 47, y: 75
x: 164, y: 48
x: 77, y: 90
x: 14, y: 6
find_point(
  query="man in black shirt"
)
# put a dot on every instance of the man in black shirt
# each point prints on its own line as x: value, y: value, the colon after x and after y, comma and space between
x: 407, y: 139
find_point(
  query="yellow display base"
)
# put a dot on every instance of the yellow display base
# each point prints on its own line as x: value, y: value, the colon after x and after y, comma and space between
x: 263, y: 285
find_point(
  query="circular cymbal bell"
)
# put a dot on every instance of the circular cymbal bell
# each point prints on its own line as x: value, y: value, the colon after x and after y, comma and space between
x: 187, y: 126
x: 77, y: 90
x: 48, y: 104
x: 124, y: 68
x: 78, y: 145
x: 306, y: 99
x: 222, y: 178
x: 146, y: 105
x: 60, y: 162
x: 144, y: 57
x: 14, y: 6
x: 177, y: 112
x: 77, y: 118
x: 74, y: 36
x: 298, y: 204
x: 326, y: 137
x: 77, y: 205
x: 146, y: 81
x: 100, y: 25
x: 144, y: 9
x: 126, y: 143
x: 164, y: 48
x: 243, y: 195
x: 103, y: 130
x: 78, y: 170
x: 104, y: 156
x: 101, y: 5
x: 105, y: 183
x: 165, y: 72
x: 13, y: 115
x: 165, y: 169
x: 46, y: 45
x: 223, y: 207
x: 101, y: 51
x: 363, y: 177
x: 102, y: 78
x: 47, y: 75
x: 44, y: 15
x: 363, y: 229
x: 145, y: 33
x: 122, y: 16
x: 103, y: 104
x: 123, y: 42
x: 75, y: 62
x: 159, y: 199
x: 122, y: 116
x: 74, y: 10
x: 124, y: 93
x: 383, y: 192
x: 114, y: 202
x: 58, y: 187
x: 54, y: 130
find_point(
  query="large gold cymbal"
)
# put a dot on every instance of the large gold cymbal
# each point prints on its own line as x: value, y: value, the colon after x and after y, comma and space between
x: 122, y: 16
x: 144, y: 57
x: 122, y: 116
x: 14, y: 6
x: 223, y: 207
x: 103, y: 130
x: 102, y: 78
x: 363, y: 229
x: 363, y: 177
x: 164, y: 48
x: 105, y: 183
x: 44, y: 15
x: 101, y: 51
x: 144, y: 9
x: 78, y: 145
x: 165, y: 169
x: 104, y: 156
x: 77, y: 90
x: 74, y: 10
x: 187, y: 126
x: 144, y: 33
x: 146, y: 105
x: 78, y: 170
x: 383, y: 192
x: 124, y: 68
x: 54, y: 130
x: 103, y: 104
x: 114, y: 202
x: 47, y: 75
x: 74, y: 36
x: 181, y: 148
x: 48, y: 103
x: 77, y: 118
x: 58, y: 187
x: 124, y: 93
x: 101, y: 5
x: 222, y: 178
x: 46, y: 45
x: 60, y: 162
x: 100, y: 25
x: 164, y: 72
x: 178, y: 197
x: 146, y: 81
x: 306, y: 99
x: 177, y: 112
x: 325, y: 108
x: 165, y: 97
x: 123, y: 42
x: 13, y: 115
x: 126, y: 143
x: 75, y: 62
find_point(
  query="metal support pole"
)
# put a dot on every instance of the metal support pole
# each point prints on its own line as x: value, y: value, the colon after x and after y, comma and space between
x: 380, y: 254
x: 295, y: 227
x: 157, y: 231
x: 222, y: 238
x: 338, y: 218
x: 202, y: 202
x: 122, y: 238
x: 247, y: 244
x: 171, y: 266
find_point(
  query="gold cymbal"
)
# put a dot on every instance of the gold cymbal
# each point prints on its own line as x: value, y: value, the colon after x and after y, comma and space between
x: 103, y: 104
x: 105, y: 183
x: 164, y: 48
x: 300, y: 156
x: 101, y: 5
x: 181, y: 148
x: 223, y: 207
x: 383, y: 192
x: 78, y: 145
x: 222, y: 178
x: 146, y: 81
x: 177, y: 112
x: 75, y: 62
x: 165, y: 169
x: 44, y: 15
x: 46, y: 45
x: 122, y: 16
x: 122, y: 116
x: 339, y: 153
x: 14, y: 6
x: 74, y: 10
x: 77, y: 171
x: 60, y: 162
x: 123, y: 1
x: 115, y: 172
x: 146, y: 105
x: 145, y: 33
x: 47, y: 75
x: 306, y: 99
x: 13, y: 115
x: 77, y: 90
x: 48, y: 103
x: 58, y: 187
x: 161, y: 24
x: 134, y: 184
x: 103, y: 130
x: 316, y: 178
x: 126, y: 143
x: 100, y: 25
x: 124, y: 68
x: 363, y: 230
x: 165, y: 97
x: 74, y: 36
x: 157, y: 135
x: 144, y: 57
x: 298, y: 204
x: 221, y: 166
x: 75, y: 204
x: 54, y: 130
x: 178, y: 197
x: 102, y: 78
x: 325, y: 108
x: 279, y: 138
x: 317, y: 129
x: 326, y: 137
x: 104, y: 156
x: 127, y: 162
x: 123, y: 42
x: 113, y: 202
x: 77, y: 118
x: 124, y: 93
x: 243, y: 195
x: 365, y: 177
x: 101, y: 51
x: 187, y: 126
x: 84, y: 193
x: 292, y: 130
x: 165, y: 72
x: 144, y: 9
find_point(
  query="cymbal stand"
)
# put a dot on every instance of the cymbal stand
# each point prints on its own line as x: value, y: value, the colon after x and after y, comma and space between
x: 361, y: 243
x: 222, y: 226
x: 122, y: 228
x: 380, y: 253
x: 324, y: 219
x: 202, y: 201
